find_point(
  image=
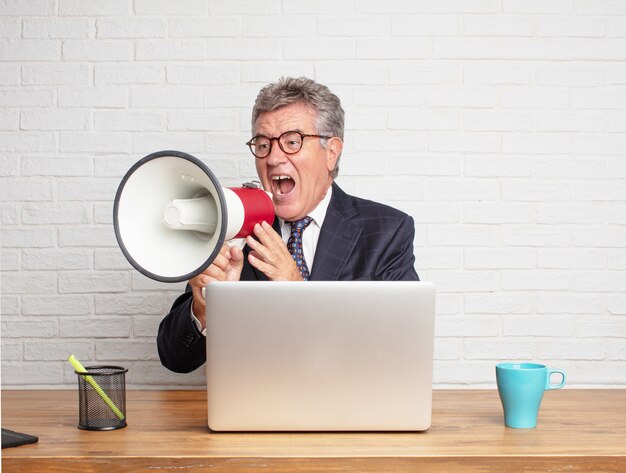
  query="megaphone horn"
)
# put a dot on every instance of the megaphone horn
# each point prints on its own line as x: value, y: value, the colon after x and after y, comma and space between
x: 171, y: 216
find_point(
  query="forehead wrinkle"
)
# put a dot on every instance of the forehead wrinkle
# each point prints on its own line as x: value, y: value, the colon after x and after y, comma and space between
x: 299, y: 130
x: 289, y: 118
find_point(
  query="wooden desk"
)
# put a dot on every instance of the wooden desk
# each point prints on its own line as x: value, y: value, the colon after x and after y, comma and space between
x: 579, y: 430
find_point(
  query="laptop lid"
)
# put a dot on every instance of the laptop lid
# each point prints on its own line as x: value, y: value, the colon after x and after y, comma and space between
x: 320, y: 355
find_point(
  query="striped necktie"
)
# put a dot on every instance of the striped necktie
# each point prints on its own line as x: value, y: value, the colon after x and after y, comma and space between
x: 294, y: 244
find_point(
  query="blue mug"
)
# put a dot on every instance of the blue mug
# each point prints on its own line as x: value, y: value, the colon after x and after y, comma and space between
x: 521, y: 387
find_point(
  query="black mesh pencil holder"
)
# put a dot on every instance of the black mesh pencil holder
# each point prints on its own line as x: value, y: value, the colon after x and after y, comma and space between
x: 102, y: 398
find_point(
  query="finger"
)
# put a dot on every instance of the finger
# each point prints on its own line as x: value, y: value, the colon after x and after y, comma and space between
x: 222, y: 260
x: 225, y: 250
x: 262, y: 251
x: 215, y: 273
x: 199, y: 281
x: 270, y: 232
x: 279, y: 245
x: 268, y: 235
x: 285, y: 270
x: 212, y: 273
x: 236, y: 256
x: 259, y: 264
x: 271, y: 246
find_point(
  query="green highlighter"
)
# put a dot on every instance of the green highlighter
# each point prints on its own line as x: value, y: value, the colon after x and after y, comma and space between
x: 81, y: 369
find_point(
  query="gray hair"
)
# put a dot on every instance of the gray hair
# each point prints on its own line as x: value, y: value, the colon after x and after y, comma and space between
x: 289, y: 90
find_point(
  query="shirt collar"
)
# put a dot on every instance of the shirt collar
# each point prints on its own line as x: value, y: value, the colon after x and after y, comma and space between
x: 318, y: 214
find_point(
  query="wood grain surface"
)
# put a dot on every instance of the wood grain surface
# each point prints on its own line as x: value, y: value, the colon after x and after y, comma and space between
x: 578, y: 430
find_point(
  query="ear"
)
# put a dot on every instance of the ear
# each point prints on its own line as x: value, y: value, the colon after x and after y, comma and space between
x: 333, y: 151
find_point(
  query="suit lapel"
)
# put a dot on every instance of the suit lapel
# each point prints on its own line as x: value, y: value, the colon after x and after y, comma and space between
x: 338, y: 237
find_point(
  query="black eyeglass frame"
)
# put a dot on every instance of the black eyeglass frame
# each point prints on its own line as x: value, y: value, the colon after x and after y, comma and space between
x: 250, y: 143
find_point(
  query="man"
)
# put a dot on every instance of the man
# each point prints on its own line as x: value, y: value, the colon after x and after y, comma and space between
x: 297, y: 129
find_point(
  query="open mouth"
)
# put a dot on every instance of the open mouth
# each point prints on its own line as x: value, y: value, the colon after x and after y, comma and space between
x: 282, y: 185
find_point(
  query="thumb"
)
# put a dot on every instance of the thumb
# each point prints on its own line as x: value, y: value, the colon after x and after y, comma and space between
x: 235, y: 265
x: 236, y: 256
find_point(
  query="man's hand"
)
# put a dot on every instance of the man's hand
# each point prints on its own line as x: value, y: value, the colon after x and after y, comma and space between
x: 270, y: 255
x: 226, y: 267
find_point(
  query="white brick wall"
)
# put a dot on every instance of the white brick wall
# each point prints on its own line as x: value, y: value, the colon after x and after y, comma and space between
x: 500, y: 125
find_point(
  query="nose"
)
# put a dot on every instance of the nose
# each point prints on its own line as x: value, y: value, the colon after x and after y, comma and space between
x: 277, y: 155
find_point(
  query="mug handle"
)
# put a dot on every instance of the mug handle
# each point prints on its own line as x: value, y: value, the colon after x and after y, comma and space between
x: 555, y: 386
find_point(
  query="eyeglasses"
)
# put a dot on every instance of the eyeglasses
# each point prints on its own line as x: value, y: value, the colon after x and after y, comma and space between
x: 290, y: 142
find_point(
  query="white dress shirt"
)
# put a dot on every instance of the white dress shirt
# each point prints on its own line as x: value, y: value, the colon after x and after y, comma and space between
x: 311, y: 234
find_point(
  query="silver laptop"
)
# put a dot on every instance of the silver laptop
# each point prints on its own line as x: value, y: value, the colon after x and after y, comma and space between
x: 319, y: 356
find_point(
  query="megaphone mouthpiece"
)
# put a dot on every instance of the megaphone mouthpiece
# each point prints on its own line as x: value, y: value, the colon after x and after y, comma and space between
x: 197, y: 214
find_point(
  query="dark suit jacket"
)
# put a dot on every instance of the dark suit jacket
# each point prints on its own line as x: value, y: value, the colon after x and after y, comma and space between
x: 359, y: 240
